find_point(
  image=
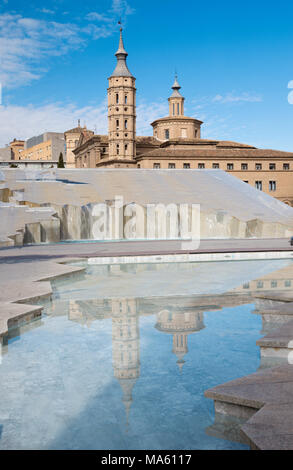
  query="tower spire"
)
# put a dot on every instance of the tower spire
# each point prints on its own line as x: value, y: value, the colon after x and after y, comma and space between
x: 121, y: 69
x: 176, y: 100
x: 176, y: 87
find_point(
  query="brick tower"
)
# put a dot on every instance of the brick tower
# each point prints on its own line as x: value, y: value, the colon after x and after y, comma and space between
x: 122, y: 112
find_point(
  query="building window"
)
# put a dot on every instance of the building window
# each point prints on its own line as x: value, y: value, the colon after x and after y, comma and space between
x: 272, y: 166
x: 288, y: 283
x: 259, y: 284
x: 274, y: 284
x: 138, y: 165
x: 286, y: 166
x: 177, y: 108
x: 246, y: 285
x: 216, y: 165
x: 117, y: 124
x: 186, y: 165
x: 244, y: 166
x: 117, y: 149
x: 201, y: 165
x: 125, y: 99
x: 272, y: 185
x: 195, y: 133
x: 230, y: 166
x: 125, y: 124
x: 258, y: 166
x: 167, y: 134
x: 125, y: 147
x: 173, y: 109
x: 258, y: 185
x: 117, y: 98
x: 157, y: 165
x: 171, y: 165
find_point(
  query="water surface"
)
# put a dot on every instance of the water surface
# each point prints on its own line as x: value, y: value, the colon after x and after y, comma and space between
x: 123, y: 354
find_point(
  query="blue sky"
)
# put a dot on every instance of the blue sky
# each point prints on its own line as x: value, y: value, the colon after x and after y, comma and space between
x: 234, y: 62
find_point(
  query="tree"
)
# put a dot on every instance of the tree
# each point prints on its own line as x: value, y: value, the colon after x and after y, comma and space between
x: 60, y: 161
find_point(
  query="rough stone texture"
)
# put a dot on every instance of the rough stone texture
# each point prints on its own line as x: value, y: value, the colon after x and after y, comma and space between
x: 228, y: 207
x: 268, y: 390
x: 228, y: 427
x: 13, y: 288
x: 241, y: 412
x: 11, y: 314
x: 271, y: 427
x: 23, y: 224
x: 280, y: 338
x: 32, y: 233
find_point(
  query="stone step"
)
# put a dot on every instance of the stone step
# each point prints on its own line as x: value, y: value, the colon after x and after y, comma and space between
x: 270, y: 391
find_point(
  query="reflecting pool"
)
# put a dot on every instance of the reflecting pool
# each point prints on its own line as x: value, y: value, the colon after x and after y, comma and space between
x: 122, y: 356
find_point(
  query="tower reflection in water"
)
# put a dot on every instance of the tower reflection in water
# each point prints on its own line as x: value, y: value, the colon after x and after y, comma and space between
x: 90, y: 301
x: 180, y: 325
x: 177, y: 316
x: 125, y: 347
x: 178, y: 322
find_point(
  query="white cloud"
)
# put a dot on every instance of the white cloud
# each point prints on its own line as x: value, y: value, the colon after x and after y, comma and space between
x: 27, y: 44
x: 147, y: 113
x: 234, y: 98
x: 222, y: 121
x: 95, y: 16
x: 47, y: 11
x: 23, y: 122
x: 26, y: 121
x: 122, y: 8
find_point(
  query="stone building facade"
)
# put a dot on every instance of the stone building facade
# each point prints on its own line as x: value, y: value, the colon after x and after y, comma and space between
x: 16, y: 147
x: 11, y: 151
x: 176, y: 142
x: 71, y: 142
x: 47, y: 146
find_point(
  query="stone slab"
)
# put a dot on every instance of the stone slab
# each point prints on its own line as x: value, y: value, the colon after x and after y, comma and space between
x: 279, y: 338
x: 271, y: 428
x: 24, y: 282
x: 10, y: 314
x: 278, y: 296
x: 284, y: 308
x: 128, y: 248
x: 271, y: 392
x: 267, y: 386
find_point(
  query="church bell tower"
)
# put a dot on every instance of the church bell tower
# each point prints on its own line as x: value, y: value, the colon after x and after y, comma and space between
x: 176, y: 100
x: 122, y: 111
